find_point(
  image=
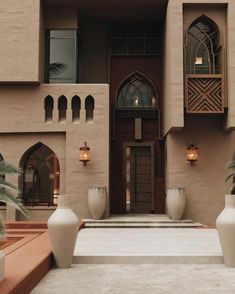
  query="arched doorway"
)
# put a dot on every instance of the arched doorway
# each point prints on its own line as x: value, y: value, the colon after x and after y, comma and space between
x: 137, y: 169
x: 40, y: 181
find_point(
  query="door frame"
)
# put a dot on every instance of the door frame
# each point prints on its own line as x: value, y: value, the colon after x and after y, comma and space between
x: 150, y: 144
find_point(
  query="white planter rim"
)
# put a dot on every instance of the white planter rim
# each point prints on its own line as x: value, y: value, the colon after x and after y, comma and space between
x: 175, y: 188
x: 97, y: 187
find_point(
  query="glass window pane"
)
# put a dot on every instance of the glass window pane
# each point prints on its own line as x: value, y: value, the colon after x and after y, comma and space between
x: 63, y: 58
x: 62, y: 33
x: 136, y: 92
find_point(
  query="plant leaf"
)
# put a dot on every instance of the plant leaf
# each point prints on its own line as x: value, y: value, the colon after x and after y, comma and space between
x: 6, y: 184
x: 230, y: 165
x: 6, y: 168
x: 56, y: 68
x: 229, y: 176
x: 2, y: 227
x: 8, y: 198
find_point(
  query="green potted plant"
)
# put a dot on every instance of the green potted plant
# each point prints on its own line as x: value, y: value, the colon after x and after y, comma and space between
x: 231, y: 176
x: 7, y: 196
x: 225, y: 222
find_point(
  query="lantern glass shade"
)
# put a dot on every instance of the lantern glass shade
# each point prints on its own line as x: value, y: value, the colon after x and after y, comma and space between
x: 84, y: 155
x: 192, y: 153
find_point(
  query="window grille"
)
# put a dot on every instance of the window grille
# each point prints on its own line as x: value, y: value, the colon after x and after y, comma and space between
x: 136, y: 39
x: 202, y: 48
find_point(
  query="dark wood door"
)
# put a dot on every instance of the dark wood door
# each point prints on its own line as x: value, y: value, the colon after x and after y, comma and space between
x: 141, y: 180
x: 123, y: 131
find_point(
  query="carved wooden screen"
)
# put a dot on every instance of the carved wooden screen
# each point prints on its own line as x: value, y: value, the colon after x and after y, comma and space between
x: 204, y: 79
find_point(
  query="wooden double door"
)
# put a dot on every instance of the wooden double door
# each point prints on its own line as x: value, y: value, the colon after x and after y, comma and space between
x: 139, y: 178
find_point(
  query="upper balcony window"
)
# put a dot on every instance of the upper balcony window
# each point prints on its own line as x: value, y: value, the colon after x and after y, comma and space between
x: 204, y: 67
x: 202, y: 48
x: 136, y: 39
x: 61, y: 56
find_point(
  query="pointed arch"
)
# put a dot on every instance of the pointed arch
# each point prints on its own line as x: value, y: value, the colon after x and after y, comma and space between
x: 203, y: 47
x: 76, y: 107
x: 48, y: 107
x: 62, y: 107
x: 137, y: 92
x: 40, y: 180
x: 89, y: 107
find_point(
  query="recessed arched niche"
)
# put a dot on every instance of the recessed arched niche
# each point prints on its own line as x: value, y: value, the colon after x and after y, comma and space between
x: 76, y: 107
x: 48, y: 107
x: 89, y: 107
x: 62, y: 107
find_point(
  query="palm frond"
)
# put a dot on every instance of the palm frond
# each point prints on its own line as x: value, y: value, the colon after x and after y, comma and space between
x: 56, y: 68
x: 7, y: 169
x: 4, y: 184
x: 2, y: 227
x: 229, y: 176
x: 230, y: 165
x: 8, y: 198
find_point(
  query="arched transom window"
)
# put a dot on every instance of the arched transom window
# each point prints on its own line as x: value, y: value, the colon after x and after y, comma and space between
x: 40, y: 181
x: 202, y: 47
x: 136, y: 92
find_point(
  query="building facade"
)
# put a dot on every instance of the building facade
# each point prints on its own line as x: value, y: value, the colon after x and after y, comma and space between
x: 139, y: 81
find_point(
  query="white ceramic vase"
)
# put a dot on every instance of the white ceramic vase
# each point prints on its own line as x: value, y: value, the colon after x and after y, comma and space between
x: 2, y: 265
x: 176, y: 202
x: 225, y: 224
x: 97, y: 201
x: 63, y: 227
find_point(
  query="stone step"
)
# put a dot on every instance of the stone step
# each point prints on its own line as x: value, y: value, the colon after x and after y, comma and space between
x: 147, y: 245
x: 88, y: 225
x: 105, y: 221
x: 138, y: 221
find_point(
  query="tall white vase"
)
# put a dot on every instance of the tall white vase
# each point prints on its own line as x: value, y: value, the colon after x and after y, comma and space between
x: 176, y: 202
x: 2, y: 265
x: 97, y: 201
x: 225, y: 224
x: 63, y: 227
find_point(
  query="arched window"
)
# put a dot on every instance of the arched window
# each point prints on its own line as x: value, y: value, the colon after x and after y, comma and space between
x: 89, y: 106
x: 62, y: 106
x: 136, y: 92
x: 40, y: 182
x: 48, y: 106
x: 202, y: 47
x: 76, y: 107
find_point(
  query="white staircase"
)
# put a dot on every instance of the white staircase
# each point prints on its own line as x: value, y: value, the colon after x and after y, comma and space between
x: 148, y: 239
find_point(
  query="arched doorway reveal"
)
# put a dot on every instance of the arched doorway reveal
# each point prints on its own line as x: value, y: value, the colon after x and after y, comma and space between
x: 40, y: 181
x: 137, y: 171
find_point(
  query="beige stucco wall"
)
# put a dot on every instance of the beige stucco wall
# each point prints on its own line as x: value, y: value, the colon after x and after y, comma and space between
x: 19, y: 35
x: 173, y: 86
x: 22, y: 125
x: 204, y: 181
x: 13, y: 146
x: 173, y: 61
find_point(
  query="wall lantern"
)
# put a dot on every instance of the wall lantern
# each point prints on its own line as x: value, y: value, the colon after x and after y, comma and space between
x: 84, y: 155
x: 192, y: 153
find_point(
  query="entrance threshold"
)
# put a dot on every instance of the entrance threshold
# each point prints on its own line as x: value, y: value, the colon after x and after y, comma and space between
x: 140, y: 221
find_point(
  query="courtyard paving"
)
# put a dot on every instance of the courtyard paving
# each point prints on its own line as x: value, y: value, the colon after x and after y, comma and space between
x: 143, y: 260
x: 139, y: 279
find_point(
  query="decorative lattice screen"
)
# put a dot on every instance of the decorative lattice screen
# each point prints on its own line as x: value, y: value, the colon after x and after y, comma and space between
x: 204, y: 95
